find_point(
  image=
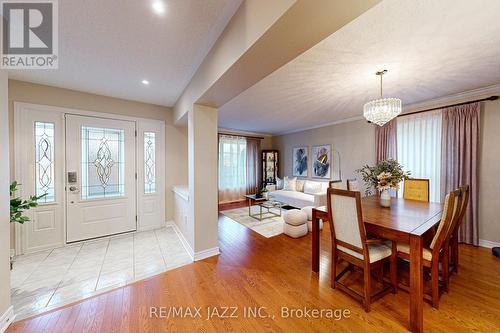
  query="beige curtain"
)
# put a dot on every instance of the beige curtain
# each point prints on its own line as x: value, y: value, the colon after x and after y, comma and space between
x: 385, y: 141
x: 253, y: 165
x: 459, y: 162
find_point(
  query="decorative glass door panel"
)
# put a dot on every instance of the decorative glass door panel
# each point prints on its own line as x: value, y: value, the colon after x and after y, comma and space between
x: 103, y: 152
x: 100, y: 182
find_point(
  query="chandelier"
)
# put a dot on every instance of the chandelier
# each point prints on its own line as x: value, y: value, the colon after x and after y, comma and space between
x: 380, y: 111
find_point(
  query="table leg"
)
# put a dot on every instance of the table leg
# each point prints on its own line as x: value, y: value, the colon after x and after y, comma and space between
x: 315, y: 242
x: 416, y: 285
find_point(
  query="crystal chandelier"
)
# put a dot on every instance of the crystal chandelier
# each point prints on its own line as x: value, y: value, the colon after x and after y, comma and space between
x: 380, y: 111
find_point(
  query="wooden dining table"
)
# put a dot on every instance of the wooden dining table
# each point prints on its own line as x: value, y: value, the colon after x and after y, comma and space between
x: 406, y: 221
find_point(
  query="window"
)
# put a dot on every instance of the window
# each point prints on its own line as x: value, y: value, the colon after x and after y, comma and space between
x: 419, y: 148
x: 44, y: 161
x: 149, y: 163
x: 232, y: 168
x: 103, y: 169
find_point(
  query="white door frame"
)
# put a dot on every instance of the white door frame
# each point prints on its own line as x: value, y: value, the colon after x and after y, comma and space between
x: 20, y: 107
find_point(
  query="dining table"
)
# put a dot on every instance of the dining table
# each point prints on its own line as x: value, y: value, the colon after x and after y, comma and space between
x: 405, y: 221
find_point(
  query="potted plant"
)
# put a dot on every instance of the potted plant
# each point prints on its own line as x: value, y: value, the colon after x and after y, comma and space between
x: 384, y: 176
x: 19, y: 205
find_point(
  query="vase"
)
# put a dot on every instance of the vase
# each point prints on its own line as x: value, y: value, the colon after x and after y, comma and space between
x: 385, y: 199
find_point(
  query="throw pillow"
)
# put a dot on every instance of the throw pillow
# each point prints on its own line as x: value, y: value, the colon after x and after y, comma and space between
x: 290, y: 184
x: 279, y: 183
x: 300, y: 185
x: 311, y: 187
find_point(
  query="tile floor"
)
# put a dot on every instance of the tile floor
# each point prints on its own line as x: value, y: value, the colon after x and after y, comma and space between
x: 45, y: 280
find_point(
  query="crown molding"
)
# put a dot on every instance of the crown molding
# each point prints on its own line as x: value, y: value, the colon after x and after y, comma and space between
x: 236, y: 132
x: 453, y: 99
x: 431, y: 103
x: 337, y: 122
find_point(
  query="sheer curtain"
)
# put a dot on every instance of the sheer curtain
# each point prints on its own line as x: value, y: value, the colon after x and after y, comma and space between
x: 232, y: 168
x: 419, y: 148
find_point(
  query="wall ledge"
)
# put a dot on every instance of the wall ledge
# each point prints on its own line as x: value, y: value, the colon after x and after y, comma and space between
x: 6, y: 319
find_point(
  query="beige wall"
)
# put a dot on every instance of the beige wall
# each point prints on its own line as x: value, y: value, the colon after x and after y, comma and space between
x: 353, y: 140
x: 175, y: 137
x: 489, y: 171
x: 4, y: 197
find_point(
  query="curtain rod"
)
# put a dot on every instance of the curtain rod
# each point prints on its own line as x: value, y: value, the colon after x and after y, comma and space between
x: 491, y: 98
x: 244, y: 136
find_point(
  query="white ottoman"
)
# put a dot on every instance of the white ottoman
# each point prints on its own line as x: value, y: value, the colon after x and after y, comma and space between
x: 295, y: 217
x: 308, y: 211
x: 295, y: 223
x: 295, y: 231
x: 310, y: 225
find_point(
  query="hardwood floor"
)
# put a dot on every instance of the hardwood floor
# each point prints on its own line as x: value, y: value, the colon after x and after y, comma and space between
x: 253, y: 271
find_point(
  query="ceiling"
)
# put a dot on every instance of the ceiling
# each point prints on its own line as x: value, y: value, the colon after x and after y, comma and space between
x: 430, y: 48
x: 109, y: 47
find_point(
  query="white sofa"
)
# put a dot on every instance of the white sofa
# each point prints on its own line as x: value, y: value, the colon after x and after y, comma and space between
x: 298, y: 198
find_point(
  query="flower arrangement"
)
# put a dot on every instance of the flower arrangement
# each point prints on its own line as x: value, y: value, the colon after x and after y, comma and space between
x: 384, y: 176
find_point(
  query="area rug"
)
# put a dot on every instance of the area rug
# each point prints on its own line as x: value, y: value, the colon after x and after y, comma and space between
x: 268, y: 228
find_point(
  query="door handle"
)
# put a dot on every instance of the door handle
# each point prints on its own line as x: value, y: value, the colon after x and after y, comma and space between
x: 74, y: 189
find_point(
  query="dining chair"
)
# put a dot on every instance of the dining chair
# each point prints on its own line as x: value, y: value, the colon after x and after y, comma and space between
x: 352, y: 185
x: 416, y: 189
x: 453, y: 236
x: 437, y: 251
x: 349, y: 243
x: 338, y: 184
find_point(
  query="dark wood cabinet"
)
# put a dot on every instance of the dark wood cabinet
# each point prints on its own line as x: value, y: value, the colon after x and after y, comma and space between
x: 270, y: 164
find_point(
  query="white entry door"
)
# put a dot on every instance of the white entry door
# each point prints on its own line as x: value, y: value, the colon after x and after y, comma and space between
x: 100, y: 177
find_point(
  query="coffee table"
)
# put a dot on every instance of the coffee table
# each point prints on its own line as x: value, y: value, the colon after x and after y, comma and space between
x: 265, y: 206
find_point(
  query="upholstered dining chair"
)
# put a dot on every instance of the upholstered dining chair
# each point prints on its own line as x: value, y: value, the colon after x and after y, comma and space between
x: 416, y: 189
x: 453, y: 236
x: 349, y: 243
x: 352, y: 185
x: 338, y: 184
x: 437, y: 251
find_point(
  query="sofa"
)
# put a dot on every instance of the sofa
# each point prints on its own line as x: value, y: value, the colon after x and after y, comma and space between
x: 304, y: 193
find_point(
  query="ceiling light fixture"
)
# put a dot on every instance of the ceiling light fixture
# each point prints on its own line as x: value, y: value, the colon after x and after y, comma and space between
x: 146, y: 82
x: 159, y: 7
x: 382, y: 110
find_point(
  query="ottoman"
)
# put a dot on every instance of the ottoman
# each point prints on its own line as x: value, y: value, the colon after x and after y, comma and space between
x: 308, y: 211
x: 295, y: 223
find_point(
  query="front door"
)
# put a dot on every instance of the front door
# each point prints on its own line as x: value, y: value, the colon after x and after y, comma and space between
x: 100, y: 177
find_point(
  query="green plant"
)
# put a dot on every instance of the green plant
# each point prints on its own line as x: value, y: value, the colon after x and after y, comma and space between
x: 19, y: 205
x: 383, y: 176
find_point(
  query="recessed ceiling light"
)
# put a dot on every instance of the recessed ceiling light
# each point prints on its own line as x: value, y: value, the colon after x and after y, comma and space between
x: 159, y: 7
x: 146, y: 82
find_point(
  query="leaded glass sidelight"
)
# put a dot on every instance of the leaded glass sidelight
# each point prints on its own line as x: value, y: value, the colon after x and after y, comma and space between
x: 44, y: 161
x: 149, y: 163
x: 103, y: 163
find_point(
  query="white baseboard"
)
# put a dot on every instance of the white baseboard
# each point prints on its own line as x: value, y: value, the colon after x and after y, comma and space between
x: 488, y: 244
x: 182, y: 238
x: 195, y: 256
x: 214, y: 251
x: 6, y: 319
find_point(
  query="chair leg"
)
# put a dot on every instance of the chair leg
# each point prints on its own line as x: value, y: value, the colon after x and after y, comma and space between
x: 334, y: 269
x: 454, y: 252
x: 435, y: 283
x: 367, y: 287
x: 446, y: 267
